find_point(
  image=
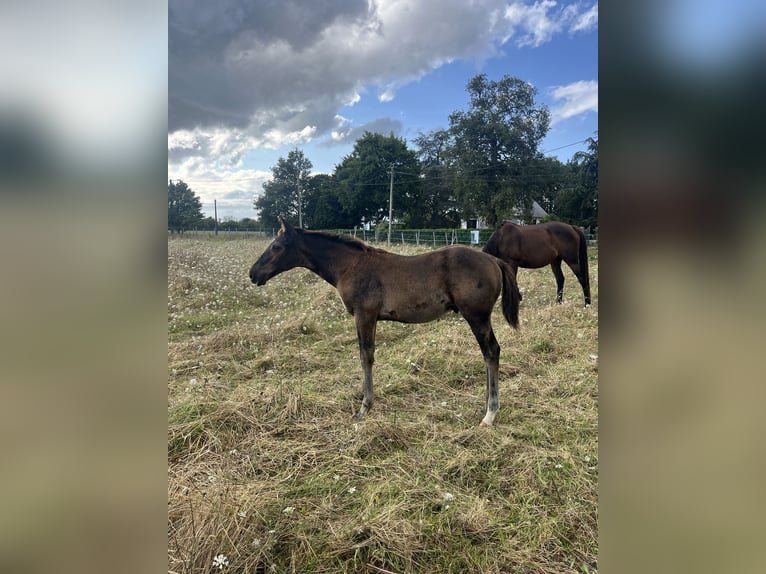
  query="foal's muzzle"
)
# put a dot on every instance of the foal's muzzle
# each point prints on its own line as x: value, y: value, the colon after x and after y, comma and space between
x: 258, y: 277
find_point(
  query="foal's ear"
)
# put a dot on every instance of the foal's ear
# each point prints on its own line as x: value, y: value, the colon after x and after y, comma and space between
x: 285, y: 228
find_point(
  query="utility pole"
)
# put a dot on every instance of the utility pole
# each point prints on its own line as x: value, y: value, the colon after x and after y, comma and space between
x: 300, y: 201
x: 215, y: 215
x: 390, y: 203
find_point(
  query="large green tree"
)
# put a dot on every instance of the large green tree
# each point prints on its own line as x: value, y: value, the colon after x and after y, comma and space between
x: 493, y: 142
x: 184, y: 207
x: 577, y: 202
x: 323, y: 208
x: 544, y: 177
x: 286, y: 193
x: 438, y: 206
x: 364, y: 178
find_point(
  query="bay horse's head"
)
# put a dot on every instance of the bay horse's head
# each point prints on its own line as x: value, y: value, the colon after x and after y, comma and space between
x: 279, y: 256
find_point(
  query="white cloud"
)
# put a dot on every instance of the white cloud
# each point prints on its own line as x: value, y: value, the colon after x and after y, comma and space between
x: 341, y: 120
x: 276, y: 138
x: 387, y: 95
x: 586, y: 21
x: 533, y: 20
x: 232, y: 190
x: 537, y: 23
x: 210, y: 161
x: 340, y: 135
x: 354, y: 99
x: 349, y: 134
x: 574, y: 99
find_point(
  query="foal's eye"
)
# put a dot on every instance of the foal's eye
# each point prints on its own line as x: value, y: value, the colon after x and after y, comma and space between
x: 276, y: 247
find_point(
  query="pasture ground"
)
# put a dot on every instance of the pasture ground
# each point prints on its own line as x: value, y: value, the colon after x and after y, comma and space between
x: 268, y: 473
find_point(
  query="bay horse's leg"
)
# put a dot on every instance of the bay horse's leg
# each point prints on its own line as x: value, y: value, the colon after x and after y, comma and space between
x: 490, y: 349
x: 365, y: 333
x: 582, y: 277
x: 559, y: 275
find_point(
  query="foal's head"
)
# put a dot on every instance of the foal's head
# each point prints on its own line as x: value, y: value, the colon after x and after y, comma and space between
x: 279, y: 256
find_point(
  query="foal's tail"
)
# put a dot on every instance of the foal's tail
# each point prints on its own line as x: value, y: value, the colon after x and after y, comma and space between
x: 511, y: 295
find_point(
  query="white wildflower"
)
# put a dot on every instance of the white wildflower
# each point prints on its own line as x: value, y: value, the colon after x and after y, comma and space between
x: 559, y: 466
x: 220, y: 561
x: 289, y: 510
x: 242, y: 514
x: 444, y: 403
x: 449, y: 496
x: 256, y: 542
x: 336, y: 477
x: 352, y: 490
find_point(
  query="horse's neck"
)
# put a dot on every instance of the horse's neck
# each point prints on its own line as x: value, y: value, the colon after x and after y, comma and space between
x: 327, y: 258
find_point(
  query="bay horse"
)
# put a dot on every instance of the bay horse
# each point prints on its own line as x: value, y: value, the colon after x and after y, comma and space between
x: 376, y: 285
x: 534, y: 246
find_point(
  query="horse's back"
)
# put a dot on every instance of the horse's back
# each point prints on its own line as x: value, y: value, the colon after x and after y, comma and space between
x: 534, y: 246
x: 445, y: 267
x: 421, y: 288
x: 529, y: 246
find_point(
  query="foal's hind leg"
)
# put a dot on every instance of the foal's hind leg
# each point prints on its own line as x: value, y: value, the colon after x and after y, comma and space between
x: 559, y: 274
x: 490, y: 349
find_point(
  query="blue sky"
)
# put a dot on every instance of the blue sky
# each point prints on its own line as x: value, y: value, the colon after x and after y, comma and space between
x: 248, y: 81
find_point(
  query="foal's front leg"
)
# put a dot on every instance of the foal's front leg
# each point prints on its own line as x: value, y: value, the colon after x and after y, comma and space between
x: 365, y: 333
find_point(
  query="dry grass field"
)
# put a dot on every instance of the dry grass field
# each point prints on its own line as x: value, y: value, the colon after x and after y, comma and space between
x: 267, y: 472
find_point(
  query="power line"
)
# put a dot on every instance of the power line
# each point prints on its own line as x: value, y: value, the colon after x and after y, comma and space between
x: 563, y: 146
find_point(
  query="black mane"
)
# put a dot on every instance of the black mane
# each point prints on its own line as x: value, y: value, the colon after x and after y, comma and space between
x: 344, y: 239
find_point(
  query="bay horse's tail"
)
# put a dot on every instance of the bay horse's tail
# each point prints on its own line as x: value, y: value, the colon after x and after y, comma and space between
x: 583, y: 261
x: 511, y: 294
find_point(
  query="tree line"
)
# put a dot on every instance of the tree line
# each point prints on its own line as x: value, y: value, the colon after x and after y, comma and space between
x: 486, y: 164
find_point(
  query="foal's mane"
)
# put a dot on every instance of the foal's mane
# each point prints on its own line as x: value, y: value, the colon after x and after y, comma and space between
x: 341, y: 239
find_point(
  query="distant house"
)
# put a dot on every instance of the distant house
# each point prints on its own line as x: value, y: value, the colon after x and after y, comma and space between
x: 537, y: 215
x: 475, y: 223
